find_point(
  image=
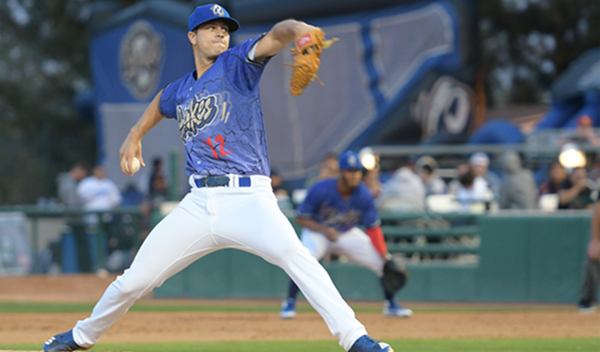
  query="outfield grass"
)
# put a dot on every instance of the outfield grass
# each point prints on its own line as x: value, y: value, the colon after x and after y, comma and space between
x: 408, y: 345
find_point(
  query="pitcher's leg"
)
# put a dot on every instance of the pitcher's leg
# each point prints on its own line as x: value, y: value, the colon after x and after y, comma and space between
x: 321, y: 293
x: 265, y: 231
x: 176, y: 242
x: 318, y: 245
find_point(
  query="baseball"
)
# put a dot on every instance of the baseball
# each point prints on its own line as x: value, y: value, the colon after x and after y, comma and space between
x: 135, y: 165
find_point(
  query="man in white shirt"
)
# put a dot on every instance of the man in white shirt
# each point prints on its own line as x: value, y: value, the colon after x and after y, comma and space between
x: 98, y: 192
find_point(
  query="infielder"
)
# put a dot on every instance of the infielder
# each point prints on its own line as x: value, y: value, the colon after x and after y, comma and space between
x: 231, y: 203
x: 330, y: 214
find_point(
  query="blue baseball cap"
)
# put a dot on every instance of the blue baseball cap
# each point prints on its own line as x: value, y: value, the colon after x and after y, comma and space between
x: 203, y: 14
x: 349, y: 160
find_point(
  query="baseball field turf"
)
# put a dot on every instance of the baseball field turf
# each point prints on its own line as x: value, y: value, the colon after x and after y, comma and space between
x: 238, y: 325
x: 32, y: 309
x: 400, y: 345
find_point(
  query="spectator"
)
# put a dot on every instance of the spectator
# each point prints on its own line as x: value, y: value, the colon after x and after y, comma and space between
x: 575, y: 192
x: 481, y: 163
x: 372, y: 180
x: 67, y: 195
x: 67, y: 184
x: 404, y: 191
x: 97, y: 192
x: 157, y: 194
x: 585, y: 132
x: 591, y: 266
x: 518, y: 189
x: 328, y: 168
x: 468, y: 188
x: 157, y: 171
x: 281, y: 192
x: 433, y: 183
x: 132, y: 196
x: 557, y: 175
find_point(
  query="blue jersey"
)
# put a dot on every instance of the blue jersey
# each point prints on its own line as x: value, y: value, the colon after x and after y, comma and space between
x: 220, y: 116
x: 325, y: 205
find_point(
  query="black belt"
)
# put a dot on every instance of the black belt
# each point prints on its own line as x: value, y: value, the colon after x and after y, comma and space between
x: 221, y: 181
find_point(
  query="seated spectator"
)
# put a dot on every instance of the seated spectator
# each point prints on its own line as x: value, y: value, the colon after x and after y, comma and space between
x: 426, y: 166
x: 328, y: 167
x: 481, y: 163
x: 575, y: 192
x: 518, y: 189
x: 556, y: 176
x: 468, y: 188
x: 403, y: 192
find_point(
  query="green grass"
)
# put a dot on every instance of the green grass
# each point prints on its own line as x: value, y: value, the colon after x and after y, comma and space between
x: 261, y: 307
x: 409, y: 345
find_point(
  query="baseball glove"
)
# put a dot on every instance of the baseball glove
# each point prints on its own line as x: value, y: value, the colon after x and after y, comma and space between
x: 307, y: 59
x: 395, y: 276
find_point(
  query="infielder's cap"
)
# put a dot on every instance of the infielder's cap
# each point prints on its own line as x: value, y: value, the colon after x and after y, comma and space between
x: 203, y: 14
x: 349, y: 160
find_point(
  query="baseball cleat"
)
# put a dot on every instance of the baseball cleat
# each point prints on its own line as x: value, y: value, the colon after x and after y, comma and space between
x: 586, y: 308
x: 394, y: 310
x: 367, y: 344
x: 288, y: 309
x: 62, y: 343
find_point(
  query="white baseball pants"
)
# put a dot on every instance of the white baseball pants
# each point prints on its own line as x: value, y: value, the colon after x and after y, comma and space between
x: 209, y: 219
x: 354, y: 244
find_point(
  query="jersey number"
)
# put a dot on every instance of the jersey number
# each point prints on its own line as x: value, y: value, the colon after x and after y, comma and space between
x: 219, y: 144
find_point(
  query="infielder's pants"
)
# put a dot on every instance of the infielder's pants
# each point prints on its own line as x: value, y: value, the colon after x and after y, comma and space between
x: 209, y: 219
x: 355, y: 244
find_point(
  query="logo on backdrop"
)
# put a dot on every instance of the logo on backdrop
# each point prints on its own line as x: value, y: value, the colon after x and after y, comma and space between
x: 141, y: 57
x: 447, y: 107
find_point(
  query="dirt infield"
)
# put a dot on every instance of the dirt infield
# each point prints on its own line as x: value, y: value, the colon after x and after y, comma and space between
x: 541, y: 322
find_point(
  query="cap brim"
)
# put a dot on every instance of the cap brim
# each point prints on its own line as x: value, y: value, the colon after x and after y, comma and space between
x: 232, y: 23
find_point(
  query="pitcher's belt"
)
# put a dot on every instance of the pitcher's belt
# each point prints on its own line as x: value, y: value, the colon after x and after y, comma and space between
x: 223, y: 181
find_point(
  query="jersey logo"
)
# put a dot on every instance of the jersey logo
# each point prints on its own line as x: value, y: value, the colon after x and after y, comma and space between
x: 141, y: 57
x: 331, y: 216
x: 200, y: 113
x: 218, y: 11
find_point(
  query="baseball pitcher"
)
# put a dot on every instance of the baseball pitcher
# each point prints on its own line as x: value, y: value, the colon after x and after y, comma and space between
x: 231, y: 204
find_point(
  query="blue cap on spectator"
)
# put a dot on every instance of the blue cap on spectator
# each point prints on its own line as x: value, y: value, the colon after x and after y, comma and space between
x: 349, y: 160
x: 203, y: 14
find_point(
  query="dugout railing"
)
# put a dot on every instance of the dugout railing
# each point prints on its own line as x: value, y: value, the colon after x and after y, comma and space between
x: 98, y: 235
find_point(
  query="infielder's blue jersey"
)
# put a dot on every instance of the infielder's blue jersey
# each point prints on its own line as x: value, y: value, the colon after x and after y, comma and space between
x: 325, y: 205
x: 220, y: 116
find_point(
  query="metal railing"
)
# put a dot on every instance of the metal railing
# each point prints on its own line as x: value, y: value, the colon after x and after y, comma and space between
x: 35, y: 213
